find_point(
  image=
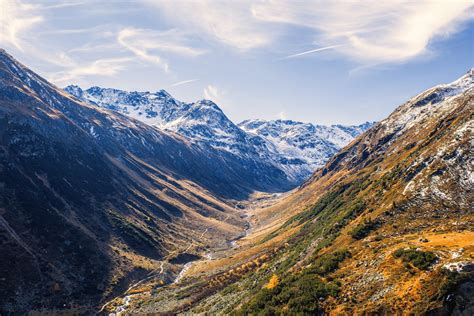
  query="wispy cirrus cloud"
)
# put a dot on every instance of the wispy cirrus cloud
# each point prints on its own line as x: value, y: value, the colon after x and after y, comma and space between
x: 127, y: 38
x: 103, y: 67
x: 372, y: 31
x: 180, y: 83
x: 147, y: 44
x: 15, y: 19
x: 228, y: 22
x: 85, y: 49
x: 281, y: 115
x: 312, y: 51
x: 95, y: 47
x: 96, y: 31
x: 60, y: 5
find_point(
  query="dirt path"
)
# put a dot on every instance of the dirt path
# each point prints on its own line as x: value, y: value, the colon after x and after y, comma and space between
x: 128, y: 298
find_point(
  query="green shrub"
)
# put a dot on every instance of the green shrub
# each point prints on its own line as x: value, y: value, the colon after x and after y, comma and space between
x: 307, y: 292
x: 363, y: 229
x: 328, y: 262
x: 420, y: 259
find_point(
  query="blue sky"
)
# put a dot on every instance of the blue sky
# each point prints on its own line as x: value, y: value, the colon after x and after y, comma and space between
x: 315, y: 61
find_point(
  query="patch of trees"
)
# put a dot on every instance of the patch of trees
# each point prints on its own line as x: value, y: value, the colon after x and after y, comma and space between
x: 420, y: 259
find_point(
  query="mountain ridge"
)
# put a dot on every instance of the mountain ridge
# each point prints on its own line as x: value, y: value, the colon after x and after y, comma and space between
x: 205, y: 124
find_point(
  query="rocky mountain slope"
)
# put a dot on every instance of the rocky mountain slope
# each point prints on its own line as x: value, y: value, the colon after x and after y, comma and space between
x: 91, y: 200
x: 385, y: 227
x: 277, y: 148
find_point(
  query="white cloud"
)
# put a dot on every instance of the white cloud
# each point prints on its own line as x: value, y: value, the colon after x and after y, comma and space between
x: 146, y: 43
x: 95, y: 31
x: 102, y: 67
x: 212, y: 93
x: 282, y: 115
x: 127, y: 38
x: 229, y: 22
x: 374, y: 31
x: 368, y: 31
x: 371, y: 32
x: 15, y: 19
x: 93, y: 47
x: 64, y: 4
x: 312, y: 51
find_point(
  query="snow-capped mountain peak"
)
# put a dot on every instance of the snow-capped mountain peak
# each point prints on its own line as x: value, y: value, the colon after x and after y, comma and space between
x: 303, y: 147
x: 294, y: 148
x: 426, y: 104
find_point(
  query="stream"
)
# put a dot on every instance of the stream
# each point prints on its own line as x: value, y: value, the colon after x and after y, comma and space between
x: 232, y: 244
x: 120, y: 309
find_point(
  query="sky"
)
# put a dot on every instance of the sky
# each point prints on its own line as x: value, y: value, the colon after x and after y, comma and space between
x: 324, y: 62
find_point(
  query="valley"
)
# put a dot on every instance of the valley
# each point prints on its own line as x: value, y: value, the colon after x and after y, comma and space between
x: 241, y: 158
x: 364, y: 235
x: 177, y: 210
x: 204, y: 263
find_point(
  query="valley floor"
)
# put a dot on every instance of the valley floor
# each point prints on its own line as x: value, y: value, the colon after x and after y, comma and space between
x: 168, y: 278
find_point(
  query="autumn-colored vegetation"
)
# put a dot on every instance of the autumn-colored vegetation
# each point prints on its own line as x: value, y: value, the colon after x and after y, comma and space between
x: 274, y: 280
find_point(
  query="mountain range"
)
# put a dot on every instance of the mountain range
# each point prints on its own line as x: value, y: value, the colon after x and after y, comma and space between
x: 83, y: 181
x: 296, y: 149
x: 385, y: 227
x: 134, y: 202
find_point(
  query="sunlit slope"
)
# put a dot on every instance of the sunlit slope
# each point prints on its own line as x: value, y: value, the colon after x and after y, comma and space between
x: 385, y: 227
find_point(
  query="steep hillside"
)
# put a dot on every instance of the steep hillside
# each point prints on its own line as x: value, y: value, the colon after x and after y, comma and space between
x: 91, y: 200
x: 385, y: 227
x: 279, y: 155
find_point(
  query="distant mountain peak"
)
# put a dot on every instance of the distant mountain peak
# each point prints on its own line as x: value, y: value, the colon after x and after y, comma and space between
x: 207, y: 104
x: 296, y: 148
